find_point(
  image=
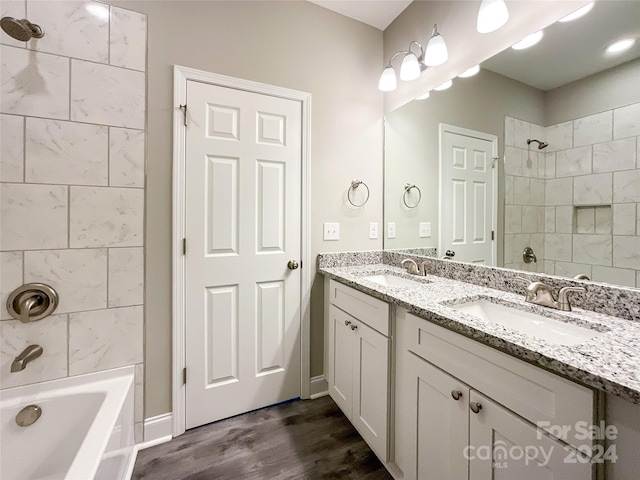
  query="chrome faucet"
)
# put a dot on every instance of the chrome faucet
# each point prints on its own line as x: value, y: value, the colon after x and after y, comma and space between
x: 29, y: 354
x: 540, y: 293
x: 411, y: 266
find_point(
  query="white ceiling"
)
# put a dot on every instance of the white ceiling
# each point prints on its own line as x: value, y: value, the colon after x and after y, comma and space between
x: 377, y: 13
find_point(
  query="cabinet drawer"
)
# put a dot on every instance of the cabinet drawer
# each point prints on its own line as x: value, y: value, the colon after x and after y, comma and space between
x: 531, y: 392
x: 365, y: 308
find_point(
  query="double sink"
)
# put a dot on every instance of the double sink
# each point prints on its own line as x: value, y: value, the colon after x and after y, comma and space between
x: 513, y: 316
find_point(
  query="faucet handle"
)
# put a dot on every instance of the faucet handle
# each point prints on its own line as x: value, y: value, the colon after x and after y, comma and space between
x: 563, y: 298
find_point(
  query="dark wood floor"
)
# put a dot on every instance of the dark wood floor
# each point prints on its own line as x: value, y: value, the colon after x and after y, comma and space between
x: 309, y: 439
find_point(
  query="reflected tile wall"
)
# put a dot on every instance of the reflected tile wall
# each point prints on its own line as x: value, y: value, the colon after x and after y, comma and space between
x: 77, y: 222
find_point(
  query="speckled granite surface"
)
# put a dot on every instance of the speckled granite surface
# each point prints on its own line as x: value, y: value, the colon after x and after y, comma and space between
x: 609, y: 362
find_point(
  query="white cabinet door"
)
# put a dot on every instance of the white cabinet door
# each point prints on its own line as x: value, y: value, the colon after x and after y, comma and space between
x: 370, y: 387
x: 341, y: 345
x: 505, y: 447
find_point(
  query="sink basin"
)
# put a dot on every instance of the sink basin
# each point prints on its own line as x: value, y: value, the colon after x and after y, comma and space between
x: 388, y: 280
x: 549, y: 329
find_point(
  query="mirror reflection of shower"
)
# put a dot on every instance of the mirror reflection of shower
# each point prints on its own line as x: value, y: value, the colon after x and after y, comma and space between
x: 541, y: 145
x: 22, y: 30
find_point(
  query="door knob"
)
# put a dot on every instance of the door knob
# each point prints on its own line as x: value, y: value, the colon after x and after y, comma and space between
x: 456, y: 394
x: 292, y: 265
x: 475, y: 407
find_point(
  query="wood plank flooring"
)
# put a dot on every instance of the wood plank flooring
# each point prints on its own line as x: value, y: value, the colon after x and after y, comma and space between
x: 308, y: 439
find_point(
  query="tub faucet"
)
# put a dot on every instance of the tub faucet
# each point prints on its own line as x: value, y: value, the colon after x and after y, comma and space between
x: 28, y: 355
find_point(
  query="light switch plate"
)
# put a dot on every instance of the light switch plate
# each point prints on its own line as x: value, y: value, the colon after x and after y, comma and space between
x: 373, y: 230
x: 425, y: 229
x: 331, y: 231
x: 391, y: 230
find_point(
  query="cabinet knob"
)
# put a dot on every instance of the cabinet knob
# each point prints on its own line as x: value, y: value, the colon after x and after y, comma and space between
x: 347, y: 322
x: 354, y: 327
x: 456, y: 394
x: 475, y: 407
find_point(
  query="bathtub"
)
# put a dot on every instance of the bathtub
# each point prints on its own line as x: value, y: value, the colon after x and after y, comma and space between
x: 85, y: 430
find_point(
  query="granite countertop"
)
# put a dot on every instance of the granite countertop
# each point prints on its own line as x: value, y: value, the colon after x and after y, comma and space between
x: 609, y: 362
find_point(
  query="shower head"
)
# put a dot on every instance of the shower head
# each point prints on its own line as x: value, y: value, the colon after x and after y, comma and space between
x: 22, y: 30
x: 541, y: 145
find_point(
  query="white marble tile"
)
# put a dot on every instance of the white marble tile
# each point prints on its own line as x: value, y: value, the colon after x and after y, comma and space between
x: 508, y: 189
x: 11, y: 148
x: 637, y: 278
x: 107, y: 95
x: 513, y: 161
x: 626, y: 186
x: 15, y: 9
x: 573, y: 162
x: 512, y: 219
x: 138, y: 394
x: 509, y: 130
x: 626, y: 121
x: 541, y: 220
x: 593, y: 129
x: 549, y: 219
x: 559, y: 191
x: 593, y: 189
x: 105, y: 339
x: 559, y: 136
x: 126, y: 276
x: 549, y: 267
x: 592, y: 249
x: 521, y: 191
x: 615, y: 155
x: 128, y: 39
x: 34, y: 83
x: 564, y: 219
x: 550, y: 165
x: 557, y: 247
x: 50, y: 334
x: 624, y: 219
x: 638, y: 218
x: 10, y: 278
x: 106, y: 217
x: 126, y: 157
x: 585, y: 220
x: 604, y: 220
x: 538, y: 132
x: 33, y: 217
x: 537, y: 191
x: 638, y: 152
x: 79, y: 276
x: 66, y: 152
x: 537, y: 244
x: 530, y: 163
x: 78, y: 29
x: 570, y: 270
x: 625, y: 251
x: 529, y: 219
x: 521, y: 133
x: 614, y: 276
x: 508, y: 249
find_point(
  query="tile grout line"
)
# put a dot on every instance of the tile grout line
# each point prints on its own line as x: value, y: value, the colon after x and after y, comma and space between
x: 74, y: 185
x: 73, y: 121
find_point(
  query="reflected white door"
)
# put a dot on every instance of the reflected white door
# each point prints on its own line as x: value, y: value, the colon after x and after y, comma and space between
x: 243, y: 196
x: 468, y: 194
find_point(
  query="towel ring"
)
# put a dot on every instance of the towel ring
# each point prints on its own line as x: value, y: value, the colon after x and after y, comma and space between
x: 354, y: 185
x: 407, y: 188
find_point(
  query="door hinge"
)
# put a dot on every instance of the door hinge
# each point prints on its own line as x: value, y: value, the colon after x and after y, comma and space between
x: 184, y: 375
x: 493, y: 163
x: 493, y: 235
x: 184, y: 110
x: 184, y: 246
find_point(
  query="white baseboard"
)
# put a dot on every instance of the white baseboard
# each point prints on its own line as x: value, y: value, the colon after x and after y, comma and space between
x: 157, y: 430
x: 318, y: 387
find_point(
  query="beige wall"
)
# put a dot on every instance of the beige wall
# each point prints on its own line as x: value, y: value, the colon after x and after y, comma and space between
x: 292, y: 44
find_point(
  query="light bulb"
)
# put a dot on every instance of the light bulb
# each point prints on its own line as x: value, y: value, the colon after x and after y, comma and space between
x: 470, y: 72
x: 492, y: 15
x: 410, y: 69
x: 621, y: 46
x: 436, y: 53
x: 388, y: 82
x: 578, y: 13
x: 444, y: 86
x: 528, y: 41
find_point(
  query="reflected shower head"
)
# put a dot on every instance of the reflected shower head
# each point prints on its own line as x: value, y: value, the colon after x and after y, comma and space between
x: 541, y: 145
x: 22, y: 30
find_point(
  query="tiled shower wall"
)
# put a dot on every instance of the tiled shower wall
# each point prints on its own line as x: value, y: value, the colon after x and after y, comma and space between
x: 72, y: 191
x: 591, y: 219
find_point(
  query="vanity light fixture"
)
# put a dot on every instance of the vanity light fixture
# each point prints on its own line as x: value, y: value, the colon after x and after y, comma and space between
x: 528, y: 41
x: 581, y: 12
x: 492, y: 15
x: 444, y: 86
x: 470, y: 72
x: 436, y: 53
x: 424, y: 96
x: 620, y: 46
x: 412, y: 66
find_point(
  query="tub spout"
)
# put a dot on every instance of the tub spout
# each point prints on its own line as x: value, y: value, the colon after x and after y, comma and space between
x: 28, y: 355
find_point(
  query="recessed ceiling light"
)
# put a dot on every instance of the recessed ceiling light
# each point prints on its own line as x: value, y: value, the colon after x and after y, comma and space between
x: 470, y: 72
x: 578, y: 13
x: 424, y: 96
x: 444, y: 86
x: 621, y: 45
x: 528, y: 41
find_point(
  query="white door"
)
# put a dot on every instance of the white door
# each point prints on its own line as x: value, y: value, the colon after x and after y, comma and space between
x: 468, y: 194
x: 243, y: 197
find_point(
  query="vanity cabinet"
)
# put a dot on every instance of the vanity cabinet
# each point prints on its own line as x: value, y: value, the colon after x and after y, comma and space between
x: 358, y: 362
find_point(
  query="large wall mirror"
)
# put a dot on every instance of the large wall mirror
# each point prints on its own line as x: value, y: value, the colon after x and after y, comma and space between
x: 539, y: 152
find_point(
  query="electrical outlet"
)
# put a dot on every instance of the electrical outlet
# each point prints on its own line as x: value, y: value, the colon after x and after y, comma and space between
x: 373, y: 230
x: 331, y: 231
x: 425, y: 229
x: 391, y: 230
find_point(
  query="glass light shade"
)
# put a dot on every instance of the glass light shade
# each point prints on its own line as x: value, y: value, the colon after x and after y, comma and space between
x: 388, y: 82
x: 410, y: 69
x: 528, y: 41
x: 444, y: 86
x: 492, y: 15
x: 581, y: 12
x: 620, y: 46
x: 424, y: 96
x: 436, y: 53
x: 470, y: 72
